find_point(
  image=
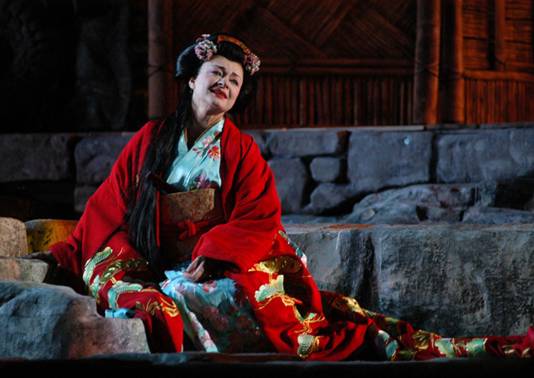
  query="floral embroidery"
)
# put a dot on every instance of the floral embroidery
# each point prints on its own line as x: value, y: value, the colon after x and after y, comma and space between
x: 214, y: 152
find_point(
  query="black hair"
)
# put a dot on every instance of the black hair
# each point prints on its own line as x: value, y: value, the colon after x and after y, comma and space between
x: 163, y: 149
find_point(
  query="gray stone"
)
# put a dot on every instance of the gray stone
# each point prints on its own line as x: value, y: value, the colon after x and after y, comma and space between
x: 485, y: 155
x: 493, y: 215
x: 17, y: 269
x: 305, y: 219
x: 378, y: 160
x: 414, y: 204
x: 95, y: 156
x: 306, y: 142
x: 291, y: 181
x: 41, y: 321
x: 35, y: 157
x: 260, y: 139
x: 326, y: 169
x: 329, y: 197
x: 13, y: 240
x: 337, y: 256
x: 457, y: 280
x: 81, y: 195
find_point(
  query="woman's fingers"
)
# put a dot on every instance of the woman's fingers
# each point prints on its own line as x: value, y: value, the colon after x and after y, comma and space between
x: 196, y: 273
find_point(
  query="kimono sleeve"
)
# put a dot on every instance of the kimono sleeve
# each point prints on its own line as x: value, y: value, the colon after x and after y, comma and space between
x: 105, y: 210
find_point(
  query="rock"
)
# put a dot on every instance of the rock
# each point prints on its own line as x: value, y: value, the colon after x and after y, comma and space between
x: 41, y: 321
x: 457, y: 280
x: 336, y: 256
x: 493, y: 215
x: 304, y: 219
x: 81, y: 196
x: 42, y: 233
x: 35, y: 157
x: 485, y: 155
x: 13, y: 240
x: 17, y: 269
x: 291, y: 181
x: 260, y: 139
x: 326, y: 169
x: 306, y: 142
x: 95, y: 156
x: 330, y: 197
x: 414, y: 204
x: 378, y: 160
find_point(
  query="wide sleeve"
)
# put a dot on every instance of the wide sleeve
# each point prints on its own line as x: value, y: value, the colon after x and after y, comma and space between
x: 105, y: 211
x: 251, y: 233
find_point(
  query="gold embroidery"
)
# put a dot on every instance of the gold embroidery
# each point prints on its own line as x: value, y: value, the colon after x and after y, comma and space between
x: 280, y: 264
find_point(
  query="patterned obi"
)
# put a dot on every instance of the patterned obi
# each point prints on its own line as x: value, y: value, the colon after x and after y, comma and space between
x: 184, y: 217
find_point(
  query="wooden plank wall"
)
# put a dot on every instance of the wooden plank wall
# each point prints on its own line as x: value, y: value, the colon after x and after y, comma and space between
x: 493, y: 93
x: 351, y: 63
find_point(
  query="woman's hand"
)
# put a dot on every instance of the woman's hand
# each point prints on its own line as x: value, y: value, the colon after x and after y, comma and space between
x: 204, y: 269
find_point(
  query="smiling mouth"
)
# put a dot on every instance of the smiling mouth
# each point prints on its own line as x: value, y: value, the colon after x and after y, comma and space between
x: 219, y: 93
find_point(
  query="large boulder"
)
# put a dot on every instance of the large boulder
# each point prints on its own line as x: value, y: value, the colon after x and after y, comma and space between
x: 41, y: 321
x: 415, y: 204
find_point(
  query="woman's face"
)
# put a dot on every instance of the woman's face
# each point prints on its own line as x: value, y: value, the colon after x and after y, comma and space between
x: 217, y: 85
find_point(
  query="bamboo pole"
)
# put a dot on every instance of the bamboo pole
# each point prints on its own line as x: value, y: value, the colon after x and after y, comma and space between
x: 426, y: 67
x: 452, y: 91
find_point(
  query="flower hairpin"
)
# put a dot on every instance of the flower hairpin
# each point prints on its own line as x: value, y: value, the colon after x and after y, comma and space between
x: 205, y: 49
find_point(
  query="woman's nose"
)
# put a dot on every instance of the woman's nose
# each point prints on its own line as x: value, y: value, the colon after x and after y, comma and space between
x: 221, y: 82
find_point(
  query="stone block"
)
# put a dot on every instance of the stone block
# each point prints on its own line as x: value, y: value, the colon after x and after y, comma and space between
x: 378, y: 160
x: 13, y: 240
x: 17, y: 269
x: 35, y: 157
x: 260, y: 139
x: 81, y: 196
x: 42, y: 233
x: 41, y: 321
x: 326, y: 169
x: 306, y: 142
x: 96, y: 155
x: 336, y: 256
x: 457, y: 280
x: 292, y: 179
x: 494, y: 215
x: 485, y: 155
x: 330, y: 197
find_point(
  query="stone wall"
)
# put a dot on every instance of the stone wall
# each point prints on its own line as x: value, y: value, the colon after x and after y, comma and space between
x: 390, y: 175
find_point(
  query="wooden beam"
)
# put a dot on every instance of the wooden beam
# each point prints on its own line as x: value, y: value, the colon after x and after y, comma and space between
x: 451, y: 94
x: 426, y: 67
x: 499, y: 20
x: 160, y: 74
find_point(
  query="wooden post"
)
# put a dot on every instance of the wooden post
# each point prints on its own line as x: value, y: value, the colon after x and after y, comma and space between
x: 499, y: 29
x: 160, y: 75
x: 451, y: 94
x: 426, y: 67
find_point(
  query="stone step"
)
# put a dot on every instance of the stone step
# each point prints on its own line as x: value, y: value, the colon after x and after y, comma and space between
x: 453, y: 279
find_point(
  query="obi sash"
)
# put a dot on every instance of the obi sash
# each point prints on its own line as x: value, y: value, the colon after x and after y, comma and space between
x: 184, y: 218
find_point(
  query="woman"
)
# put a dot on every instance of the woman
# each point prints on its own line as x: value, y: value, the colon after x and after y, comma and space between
x: 195, y: 188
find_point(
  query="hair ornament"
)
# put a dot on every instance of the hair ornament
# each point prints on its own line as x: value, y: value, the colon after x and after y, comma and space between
x: 205, y: 49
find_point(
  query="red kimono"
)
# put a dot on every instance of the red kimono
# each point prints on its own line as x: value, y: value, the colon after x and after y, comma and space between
x: 284, y: 297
